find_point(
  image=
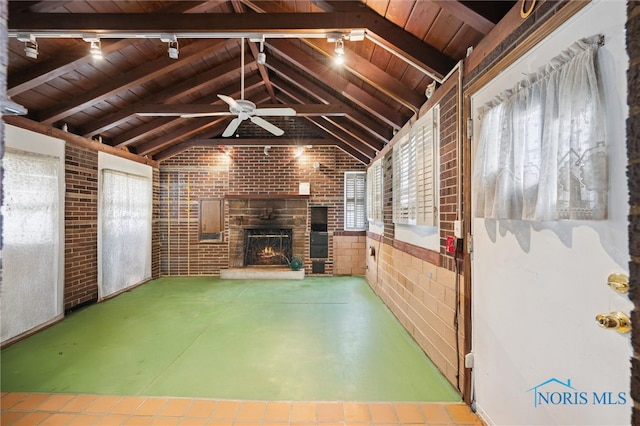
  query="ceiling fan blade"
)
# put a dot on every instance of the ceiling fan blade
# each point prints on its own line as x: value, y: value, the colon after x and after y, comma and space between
x: 232, y: 127
x: 228, y: 99
x: 267, y: 126
x: 275, y: 112
x: 205, y: 114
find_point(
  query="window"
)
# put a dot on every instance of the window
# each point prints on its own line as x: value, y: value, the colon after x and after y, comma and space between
x: 354, y: 201
x: 211, y: 220
x: 125, y: 229
x: 415, y: 165
x: 31, y: 232
x: 425, y: 133
x: 375, y: 192
x: 542, y: 153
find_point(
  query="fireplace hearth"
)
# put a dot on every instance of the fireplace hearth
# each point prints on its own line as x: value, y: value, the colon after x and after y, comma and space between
x: 267, y: 247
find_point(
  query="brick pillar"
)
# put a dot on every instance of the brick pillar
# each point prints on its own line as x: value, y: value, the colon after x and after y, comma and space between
x: 633, y: 175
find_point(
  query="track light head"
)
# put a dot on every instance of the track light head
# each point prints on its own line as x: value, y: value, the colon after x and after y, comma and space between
x: 31, y: 49
x: 96, y: 49
x: 173, y: 49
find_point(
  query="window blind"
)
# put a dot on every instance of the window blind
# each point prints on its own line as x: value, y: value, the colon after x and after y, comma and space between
x: 355, y: 200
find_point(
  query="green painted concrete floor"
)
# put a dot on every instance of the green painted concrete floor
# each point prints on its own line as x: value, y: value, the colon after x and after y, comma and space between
x: 319, y: 339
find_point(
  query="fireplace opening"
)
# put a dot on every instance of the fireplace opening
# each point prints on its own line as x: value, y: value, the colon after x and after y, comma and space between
x: 267, y: 247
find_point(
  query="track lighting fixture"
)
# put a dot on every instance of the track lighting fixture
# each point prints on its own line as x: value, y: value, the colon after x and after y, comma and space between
x: 262, y: 57
x: 339, y: 59
x: 96, y: 49
x: 173, y: 49
x: 31, y: 49
x: 30, y: 45
x: 95, y: 46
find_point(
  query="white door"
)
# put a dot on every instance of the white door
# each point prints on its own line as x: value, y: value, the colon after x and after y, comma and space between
x: 540, y: 358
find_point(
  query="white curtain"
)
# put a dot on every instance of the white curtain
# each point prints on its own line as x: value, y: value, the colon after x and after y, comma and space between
x: 542, y: 152
x: 30, y: 215
x: 125, y: 237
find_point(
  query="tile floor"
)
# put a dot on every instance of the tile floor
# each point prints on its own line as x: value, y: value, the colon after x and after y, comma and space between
x: 21, y: 408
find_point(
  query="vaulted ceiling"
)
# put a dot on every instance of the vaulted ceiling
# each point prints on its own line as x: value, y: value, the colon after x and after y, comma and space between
x: 138, y: 98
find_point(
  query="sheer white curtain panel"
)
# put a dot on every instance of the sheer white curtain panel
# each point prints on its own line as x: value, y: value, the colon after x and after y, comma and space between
x: 542, y: 153
x: 126, y: 231
x: 30, y: 216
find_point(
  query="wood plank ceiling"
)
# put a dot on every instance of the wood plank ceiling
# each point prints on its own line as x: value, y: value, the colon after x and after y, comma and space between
x: 136, y: 96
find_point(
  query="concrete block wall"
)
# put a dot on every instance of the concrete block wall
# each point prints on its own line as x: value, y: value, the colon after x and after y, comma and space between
x: 350, y: 254
x: 422, y: 296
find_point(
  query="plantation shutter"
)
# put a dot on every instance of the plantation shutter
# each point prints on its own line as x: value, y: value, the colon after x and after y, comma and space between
x: 425, y: 130
x: 374, y: 192
x: 355, y: 200
x: 404, y: 194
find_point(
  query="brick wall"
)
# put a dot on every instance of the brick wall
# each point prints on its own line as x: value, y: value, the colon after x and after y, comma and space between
x: 81, y: 226
x: 206, y: 172
x: 633, y: 173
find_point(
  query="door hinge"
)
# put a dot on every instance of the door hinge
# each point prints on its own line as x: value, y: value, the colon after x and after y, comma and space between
x: 469, y: 243
x: 469, y: 128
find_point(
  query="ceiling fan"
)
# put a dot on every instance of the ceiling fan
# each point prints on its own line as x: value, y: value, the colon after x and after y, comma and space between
x: 244, y: 109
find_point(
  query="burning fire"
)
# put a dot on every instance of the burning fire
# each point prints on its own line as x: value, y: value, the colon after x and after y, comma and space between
x: 269, y: 252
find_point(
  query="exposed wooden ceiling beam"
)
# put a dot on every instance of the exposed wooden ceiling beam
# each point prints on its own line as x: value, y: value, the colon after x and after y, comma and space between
x: 193, y: 127
x: 382, y: 32
x: 329, y: 130
x: 349, y: 129
x: 181, y: 109
x: 373, y: 75
x: 340, y: 84
x: 263, y: 142
x: 58, y: 65
x: 466, y: 15
x: 135, y: 77
x: 170, y: 94
x: 375, y: 128
x: 361, y: 68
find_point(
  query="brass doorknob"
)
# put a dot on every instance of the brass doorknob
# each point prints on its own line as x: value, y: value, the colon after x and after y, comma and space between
x: 617, y: 320
x: 619, y: 283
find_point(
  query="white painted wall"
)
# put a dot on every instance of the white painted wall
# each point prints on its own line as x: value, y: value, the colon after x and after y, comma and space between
x: 538, y: 286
